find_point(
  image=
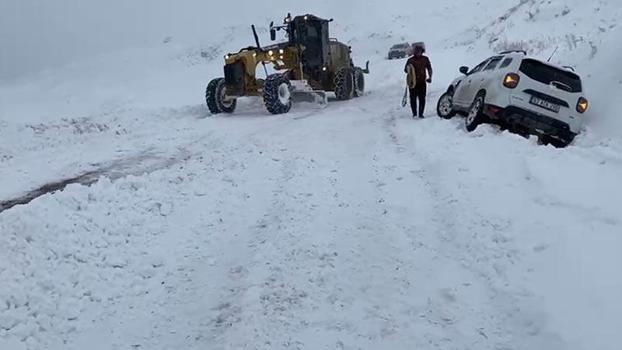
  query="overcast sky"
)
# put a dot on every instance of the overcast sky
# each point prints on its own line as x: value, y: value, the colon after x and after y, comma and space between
x: 39, y: 34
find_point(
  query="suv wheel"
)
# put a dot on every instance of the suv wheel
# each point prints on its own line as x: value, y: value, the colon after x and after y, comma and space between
x: 445, y: 106
x: 475, y: 116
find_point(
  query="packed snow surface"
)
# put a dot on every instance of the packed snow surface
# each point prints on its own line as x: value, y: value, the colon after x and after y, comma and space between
x: 346, y: 227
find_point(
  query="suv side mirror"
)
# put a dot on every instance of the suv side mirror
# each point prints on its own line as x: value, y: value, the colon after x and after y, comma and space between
x: 464, y: 70
x: 272, y: 34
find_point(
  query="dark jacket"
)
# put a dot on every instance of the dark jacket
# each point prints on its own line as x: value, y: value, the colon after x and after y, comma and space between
x: 422, y: 65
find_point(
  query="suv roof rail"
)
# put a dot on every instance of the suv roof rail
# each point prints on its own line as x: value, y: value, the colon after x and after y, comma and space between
x: 513, y: 51
x: 569, y: 68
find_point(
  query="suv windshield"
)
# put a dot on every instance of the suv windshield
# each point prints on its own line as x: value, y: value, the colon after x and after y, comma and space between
x: 400, y: 46
x: 548, y: 75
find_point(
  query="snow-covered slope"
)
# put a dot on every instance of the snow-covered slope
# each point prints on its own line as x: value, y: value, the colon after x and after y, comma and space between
x: 349, y: 227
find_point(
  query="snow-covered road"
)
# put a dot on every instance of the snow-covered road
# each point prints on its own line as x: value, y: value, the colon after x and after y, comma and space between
x: 350, y: 227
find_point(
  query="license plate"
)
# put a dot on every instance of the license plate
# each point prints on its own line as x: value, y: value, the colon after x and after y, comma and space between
x: 545, y: 104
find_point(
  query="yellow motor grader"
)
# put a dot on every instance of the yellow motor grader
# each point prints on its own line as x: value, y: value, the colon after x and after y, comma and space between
x: 308, y: 65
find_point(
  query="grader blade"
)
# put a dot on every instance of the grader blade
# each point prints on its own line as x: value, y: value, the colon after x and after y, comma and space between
x: 303, y: 92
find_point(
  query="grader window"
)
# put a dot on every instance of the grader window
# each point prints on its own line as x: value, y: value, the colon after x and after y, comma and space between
x: 309, y: 35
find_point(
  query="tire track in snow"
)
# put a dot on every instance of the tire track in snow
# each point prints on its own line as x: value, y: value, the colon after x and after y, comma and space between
x: 252, y: 304
x: 314, y: 253
x: 442, y: 311
x: 479, y: 245
x: 141, y: 164
x: 274, y: 298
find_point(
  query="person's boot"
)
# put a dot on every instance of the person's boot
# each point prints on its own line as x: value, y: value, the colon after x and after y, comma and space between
x: 421, y: 110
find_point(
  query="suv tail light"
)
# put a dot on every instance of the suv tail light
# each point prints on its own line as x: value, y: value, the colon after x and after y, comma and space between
x: 582, y: 105
x: 511, y: 80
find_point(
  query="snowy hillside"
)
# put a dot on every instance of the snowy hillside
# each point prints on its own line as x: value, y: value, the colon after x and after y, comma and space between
x: 345, y: 227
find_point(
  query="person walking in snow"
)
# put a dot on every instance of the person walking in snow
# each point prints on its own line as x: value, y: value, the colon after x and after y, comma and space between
x: 419, y: 71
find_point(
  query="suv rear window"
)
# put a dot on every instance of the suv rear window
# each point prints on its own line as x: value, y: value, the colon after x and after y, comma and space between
x: 547, y: 75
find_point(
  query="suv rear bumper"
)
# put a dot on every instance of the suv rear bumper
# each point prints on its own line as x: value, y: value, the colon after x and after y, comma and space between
x: 530, y: 122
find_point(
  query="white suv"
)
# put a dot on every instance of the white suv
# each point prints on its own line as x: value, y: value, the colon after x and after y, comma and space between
x: 526, y: 95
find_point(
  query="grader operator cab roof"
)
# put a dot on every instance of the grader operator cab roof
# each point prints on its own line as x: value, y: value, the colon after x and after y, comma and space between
x: 308, y: 17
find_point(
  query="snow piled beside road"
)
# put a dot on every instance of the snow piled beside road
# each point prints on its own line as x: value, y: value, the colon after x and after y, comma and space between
x: 350, y: 227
